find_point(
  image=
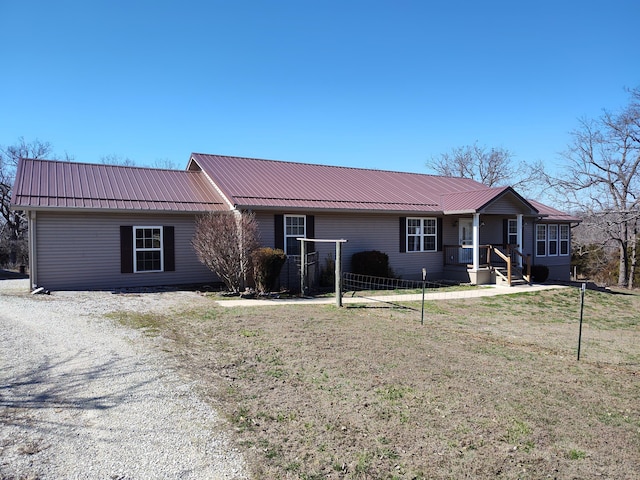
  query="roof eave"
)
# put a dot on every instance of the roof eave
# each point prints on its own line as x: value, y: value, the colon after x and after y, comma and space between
x: 459, y: 212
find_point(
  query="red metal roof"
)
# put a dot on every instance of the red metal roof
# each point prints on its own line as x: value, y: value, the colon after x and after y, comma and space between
x: 550, y: 213
x: 256, y: 183
x: 48, y: 184
x: 478, y: 200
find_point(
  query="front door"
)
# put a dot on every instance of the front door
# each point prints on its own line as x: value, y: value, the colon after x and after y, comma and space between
x: 465, y: 239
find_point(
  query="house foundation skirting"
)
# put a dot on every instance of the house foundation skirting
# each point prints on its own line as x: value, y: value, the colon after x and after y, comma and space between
x: 464, y: 274
x: 481, y: 276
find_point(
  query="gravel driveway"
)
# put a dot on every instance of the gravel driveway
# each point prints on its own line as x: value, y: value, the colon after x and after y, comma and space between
x: 81, y: 397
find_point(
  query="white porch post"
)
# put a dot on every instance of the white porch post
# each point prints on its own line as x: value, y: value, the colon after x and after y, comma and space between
x: 520, y: 236
x: 476, y: 242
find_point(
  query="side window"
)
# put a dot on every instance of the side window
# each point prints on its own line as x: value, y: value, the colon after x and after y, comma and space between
x: 541, y: 240
x: 564, y: 239
x: 422, y: 235
x: 147, y: 249
x: 294, y: 227
x: 552, y: 235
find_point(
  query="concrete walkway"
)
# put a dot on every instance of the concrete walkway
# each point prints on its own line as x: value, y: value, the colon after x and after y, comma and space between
x: 430, y: 295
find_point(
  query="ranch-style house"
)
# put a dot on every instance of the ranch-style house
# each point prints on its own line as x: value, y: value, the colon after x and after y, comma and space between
x: 95, y: 226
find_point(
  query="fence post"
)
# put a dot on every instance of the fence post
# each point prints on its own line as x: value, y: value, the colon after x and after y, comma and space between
x: 582, y: 290
x: 338, y: 274
x: 303, y: 266
x: 424, y: 279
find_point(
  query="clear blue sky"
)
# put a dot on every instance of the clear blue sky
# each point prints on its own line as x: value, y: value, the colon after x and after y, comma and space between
x: 380, y: 84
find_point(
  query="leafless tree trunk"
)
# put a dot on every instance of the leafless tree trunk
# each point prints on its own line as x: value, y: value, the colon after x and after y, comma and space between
x: 633, y: 256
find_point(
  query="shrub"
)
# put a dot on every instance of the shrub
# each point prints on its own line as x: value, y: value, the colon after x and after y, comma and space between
x: 371, y: 262
x: 224, y: 243
x: 539, y: 273
x: 267, y: 263
x: 328, y: 272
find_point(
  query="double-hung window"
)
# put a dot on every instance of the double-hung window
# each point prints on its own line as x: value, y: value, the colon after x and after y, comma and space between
x: 552, y: 240
x: 541, y: 240
x: 422, y: 234
x: 552, y: 234
x: 294, y: 228
x: 147, y: 249
x: 564, y: 239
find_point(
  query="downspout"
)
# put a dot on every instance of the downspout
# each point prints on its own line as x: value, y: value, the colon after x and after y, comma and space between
x: 33, y: 258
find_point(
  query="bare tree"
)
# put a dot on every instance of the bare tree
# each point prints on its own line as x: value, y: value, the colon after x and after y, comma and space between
x: 493, y: 167
x: 115, y: 159
x: 602, y: 179
x: 164, y: 164
x: 12, y: 222
x: 224, y: 243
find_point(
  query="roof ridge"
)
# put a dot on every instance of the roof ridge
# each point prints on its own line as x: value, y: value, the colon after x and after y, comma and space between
x: 110, y: 165
x: 329, y: 166
x: 481, y: 189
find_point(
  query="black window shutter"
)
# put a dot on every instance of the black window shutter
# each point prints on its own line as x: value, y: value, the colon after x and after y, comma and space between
x: 279, y: 231
x: 310, y: 229
x: 126, y: 249
x: 168, y: 237
x: 505, y: 232
x: 403, y: 234
x: 439, y: 235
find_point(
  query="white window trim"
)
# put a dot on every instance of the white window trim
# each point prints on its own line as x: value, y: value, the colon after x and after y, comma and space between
x: 567, y: 240
x: 546, y: 249
x: 421, y: 235
x: 136, y: 250
x: 286, y: 236
x: 559, y: 239
x: 551, y: 240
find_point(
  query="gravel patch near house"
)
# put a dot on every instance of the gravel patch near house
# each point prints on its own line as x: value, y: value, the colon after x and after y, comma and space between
x: 82, y: 397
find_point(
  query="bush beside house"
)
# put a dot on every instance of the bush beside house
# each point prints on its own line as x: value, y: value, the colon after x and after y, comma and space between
x: 371, y: 262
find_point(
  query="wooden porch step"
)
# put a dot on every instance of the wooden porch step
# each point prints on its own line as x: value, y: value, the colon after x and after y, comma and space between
x: 516, y: 277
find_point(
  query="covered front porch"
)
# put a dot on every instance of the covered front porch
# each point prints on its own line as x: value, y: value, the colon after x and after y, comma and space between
x: 490, y: 249
x: 488, y: 236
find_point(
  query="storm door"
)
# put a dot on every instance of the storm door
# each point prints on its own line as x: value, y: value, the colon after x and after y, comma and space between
x: 465, y: 235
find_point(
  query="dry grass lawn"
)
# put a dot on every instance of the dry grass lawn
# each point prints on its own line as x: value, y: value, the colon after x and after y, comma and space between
x: 487, y: 388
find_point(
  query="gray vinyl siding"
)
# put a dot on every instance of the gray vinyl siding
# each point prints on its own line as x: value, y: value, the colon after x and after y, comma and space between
x: 381, y: 232
x: 527, y: 238
x: 82, y: 251
x: 266, y: 228
x: 363, y: 232
x: 507, y: 205
x: 492, y: 232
